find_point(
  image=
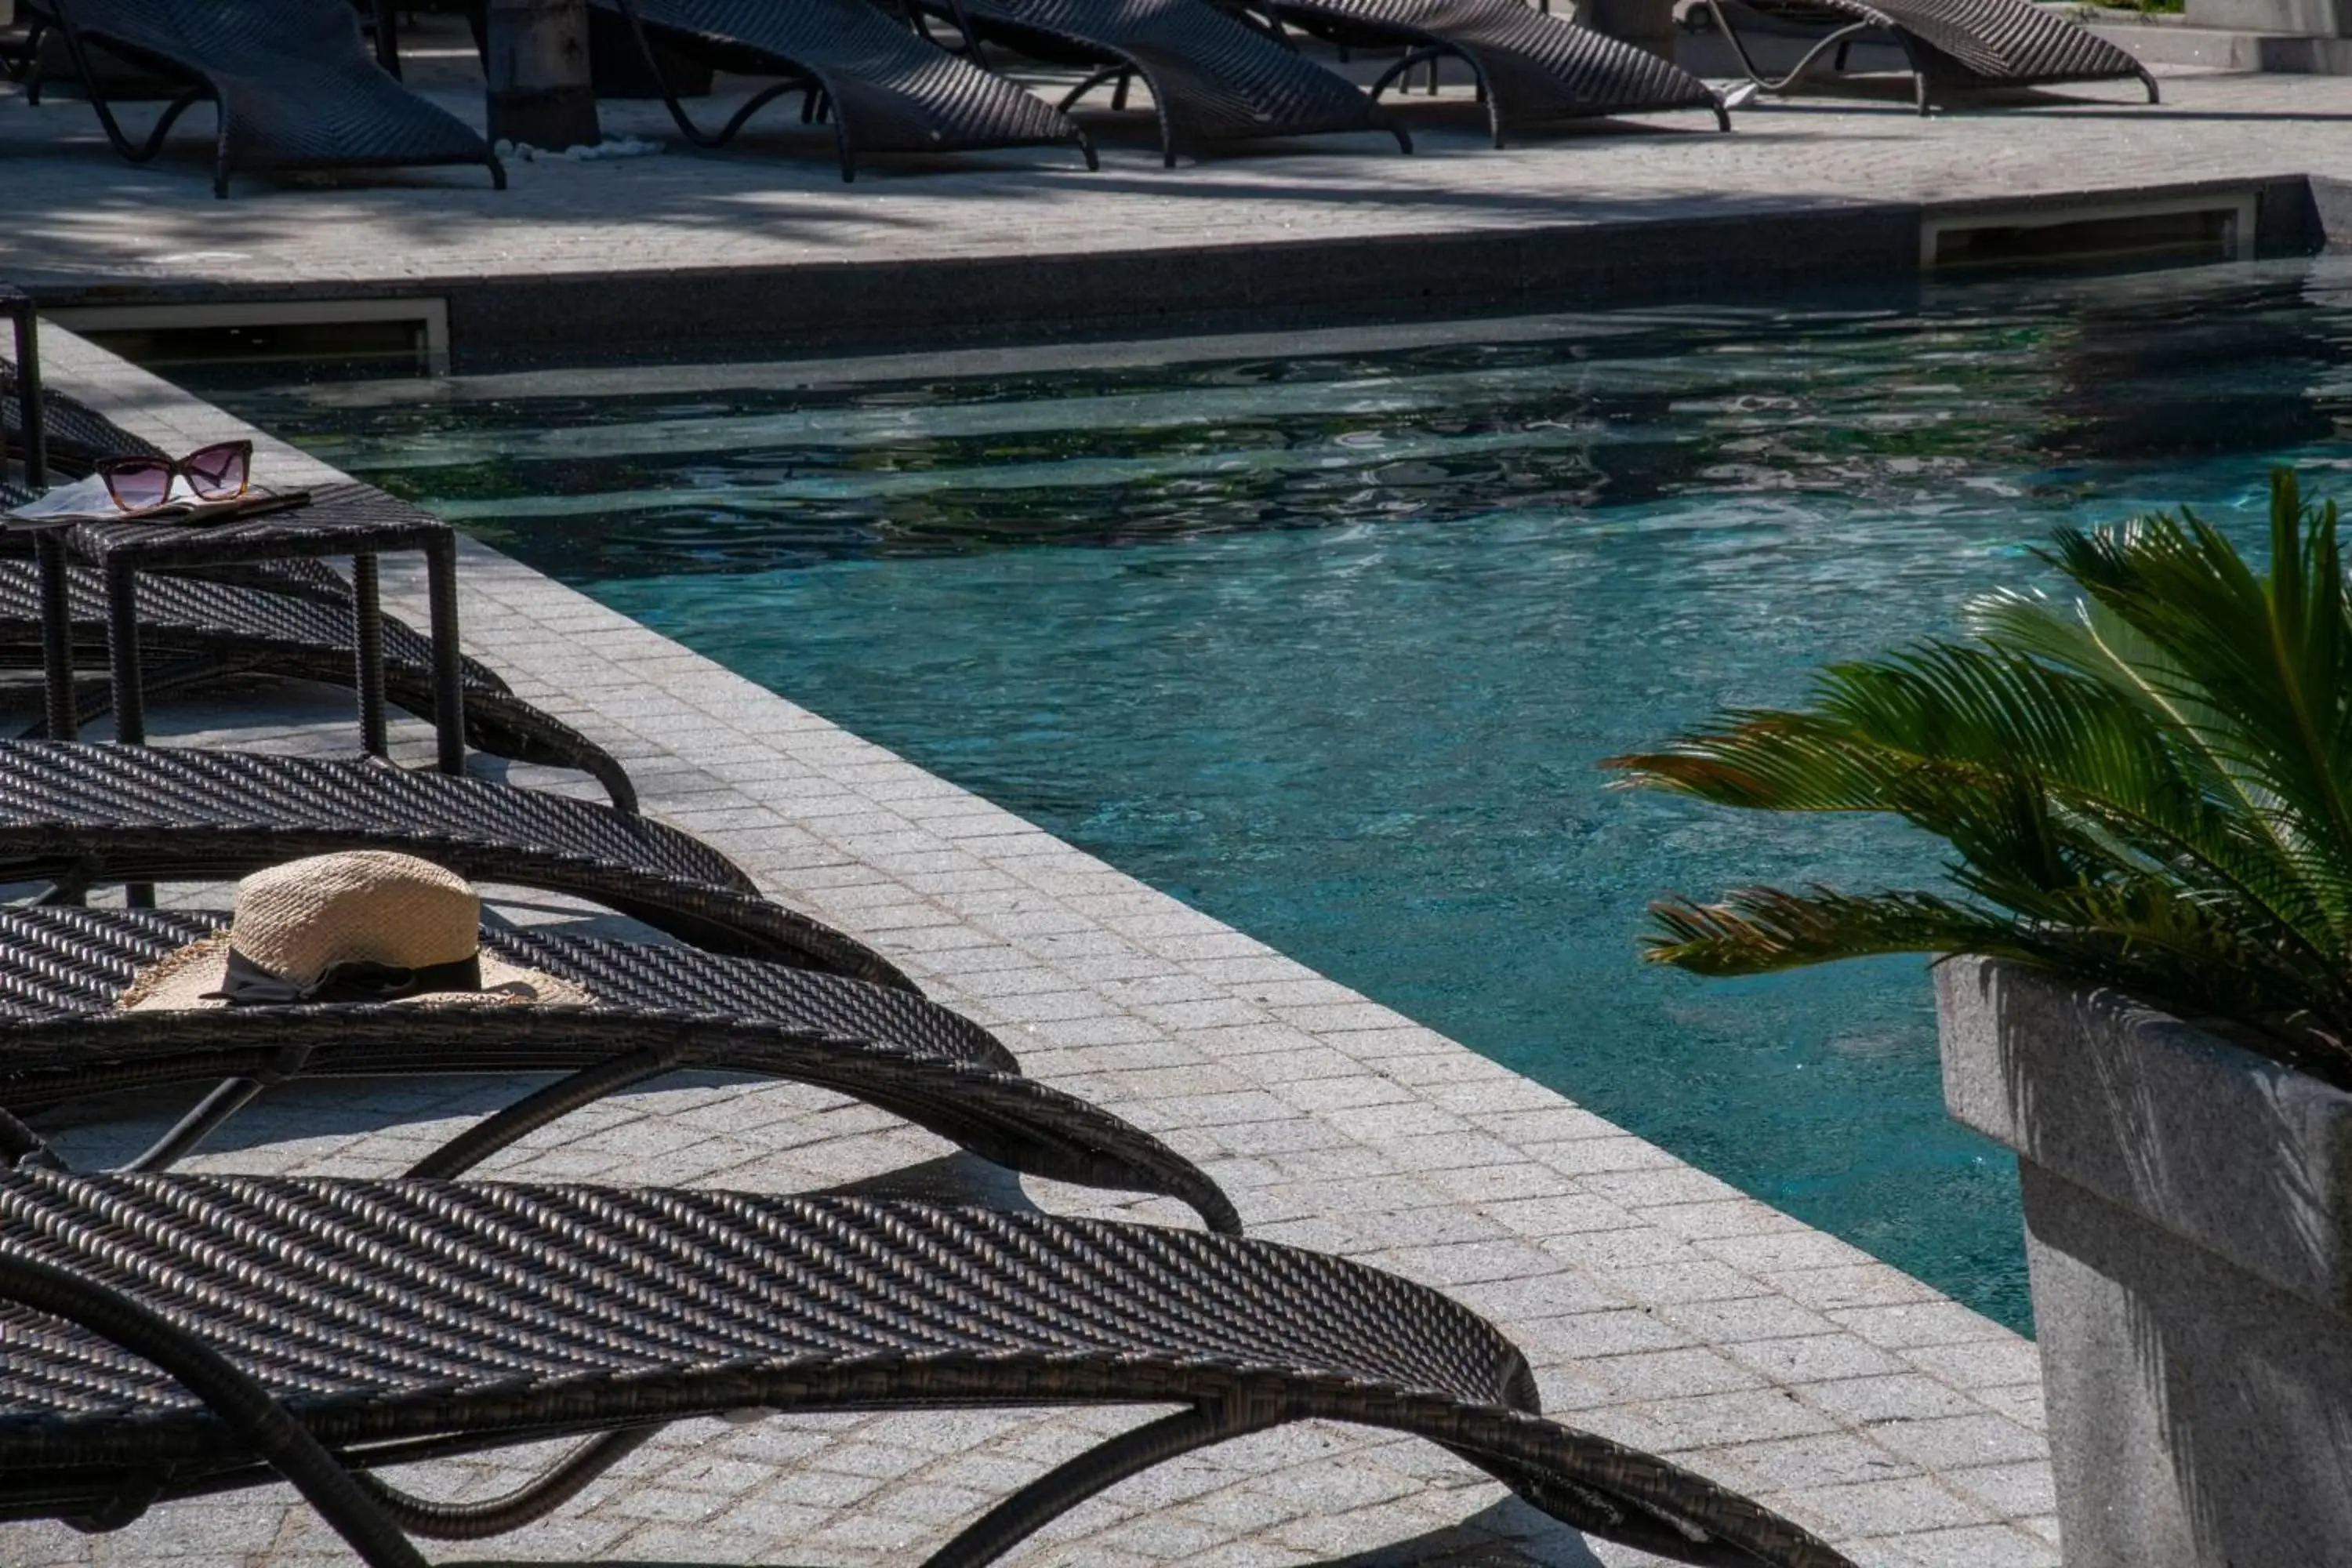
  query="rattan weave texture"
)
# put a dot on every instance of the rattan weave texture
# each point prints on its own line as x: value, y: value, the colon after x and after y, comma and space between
x: 80, y: 814
x: 1536, y: 69
x: 889, y: 89
x: 1212, y: 78
x: 294, y: 82
x: 475, y: 1313
x: 60, y: 963
x: 291, y: 619
x: 1967, y: 44
x: 199, y: 631
x: 659, y: 1010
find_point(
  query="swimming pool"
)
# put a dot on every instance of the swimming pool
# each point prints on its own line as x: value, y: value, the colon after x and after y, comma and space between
x: 1325, y: 635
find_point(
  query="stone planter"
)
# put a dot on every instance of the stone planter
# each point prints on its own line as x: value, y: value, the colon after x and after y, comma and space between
x: 2189, y: 1229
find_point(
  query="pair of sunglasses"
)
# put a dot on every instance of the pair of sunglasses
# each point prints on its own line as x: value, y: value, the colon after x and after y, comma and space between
x: 214, y: 473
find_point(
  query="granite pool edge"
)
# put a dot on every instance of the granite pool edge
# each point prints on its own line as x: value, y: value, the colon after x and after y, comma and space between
x: 1661, y: 1307
x: 1760, y: 246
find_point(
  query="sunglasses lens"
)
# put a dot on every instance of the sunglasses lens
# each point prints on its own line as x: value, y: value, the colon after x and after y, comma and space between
x: 219, y: 473
x: 138, y: 483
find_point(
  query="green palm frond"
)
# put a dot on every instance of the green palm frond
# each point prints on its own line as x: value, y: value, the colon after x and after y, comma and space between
x: 2149, y: 788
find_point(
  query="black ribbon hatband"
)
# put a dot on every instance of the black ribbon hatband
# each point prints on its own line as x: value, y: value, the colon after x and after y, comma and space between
x: 245, y: 984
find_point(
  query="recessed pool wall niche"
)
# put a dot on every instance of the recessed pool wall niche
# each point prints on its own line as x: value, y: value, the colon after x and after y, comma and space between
x: 1325, y: 635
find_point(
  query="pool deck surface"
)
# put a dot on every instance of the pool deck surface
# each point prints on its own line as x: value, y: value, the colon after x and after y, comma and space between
x: 1661, y: 1307
x: 766, y: 240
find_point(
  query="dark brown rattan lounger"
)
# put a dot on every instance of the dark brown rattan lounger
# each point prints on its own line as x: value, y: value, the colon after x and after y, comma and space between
x: 658, y: 1011
x: 294, y: 84
x: 1213, y: 78
x: 197, y: 632
x: 887, y: 87
x: 1532, y: 68
x: 1952, y: 45
x: 220, y: 1332
x: 75, y: 815
x: 290, y: 620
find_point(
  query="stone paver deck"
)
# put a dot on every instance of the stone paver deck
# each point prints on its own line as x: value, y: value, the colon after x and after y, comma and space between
x: 82, y: 224
x: 1661, y: 1307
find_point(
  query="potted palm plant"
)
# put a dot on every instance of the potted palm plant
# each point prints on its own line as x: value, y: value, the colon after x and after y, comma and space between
x: 2144, y: 986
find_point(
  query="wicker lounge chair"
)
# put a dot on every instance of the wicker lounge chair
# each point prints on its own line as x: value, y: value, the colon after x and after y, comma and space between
x: 290, y: 620
x: 74, y: 815
x: 177, y: 1336
x: 198, y: 632
x: 658, y: 1011
x: 1532, y: 69
x: 1952, y: 45
x: 887, y: 88
x: 1214, y: 79
x: 294, y: 83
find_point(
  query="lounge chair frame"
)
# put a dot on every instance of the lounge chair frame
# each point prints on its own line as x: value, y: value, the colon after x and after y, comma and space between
x: 1928, y: 65
x: 76, y: 815
x: 658, y: 1012
x: 291, y: 619
x: 666, y: 1305
x: 201, y: 89
x: 1120, y: 45
x: 818, y: 101
x: 1543, y: 69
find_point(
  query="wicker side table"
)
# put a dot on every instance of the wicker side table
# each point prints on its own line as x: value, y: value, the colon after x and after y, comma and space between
x: 342, y: 519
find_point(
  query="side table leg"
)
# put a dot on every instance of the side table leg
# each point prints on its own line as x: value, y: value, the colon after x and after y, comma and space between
x: 448, y: 672
x: 123, y: 653
x: 367, y: 636
x: 130, y: 685
x: 57, y: 637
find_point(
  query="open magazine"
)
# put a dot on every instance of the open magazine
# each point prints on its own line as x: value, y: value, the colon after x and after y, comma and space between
x: 86, y: 500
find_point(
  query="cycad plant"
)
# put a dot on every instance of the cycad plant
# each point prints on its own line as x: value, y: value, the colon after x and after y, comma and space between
x: 2150, y: 787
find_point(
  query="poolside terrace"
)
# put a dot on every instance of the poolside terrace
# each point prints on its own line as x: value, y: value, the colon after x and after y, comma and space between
x: 1660, y: 1306
x: 763, y: 245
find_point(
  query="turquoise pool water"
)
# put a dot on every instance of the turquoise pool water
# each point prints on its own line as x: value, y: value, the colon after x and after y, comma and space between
x: 1326, y: 636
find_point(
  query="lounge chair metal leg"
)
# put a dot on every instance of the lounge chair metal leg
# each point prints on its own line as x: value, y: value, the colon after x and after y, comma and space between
x: 21, y: 1147
x: 687, y: 128
x: 1086, y: 150
x: 1837, y: 41
x: 1118, y: 93
x: 2147, y: 80
x: 1070, y: 99
x: 534, y: 1499
x: 367, y: 639
x: 257, y: 1421
x: 1057, y: 1491
x: 387, y: 39
x: 23, y: 63
x: 1838, y: 65
x: 1722, y: 111
x: 448, y: 667
x: 535, y: 1110
x: 225, y: 1100
x: 1404, y: 69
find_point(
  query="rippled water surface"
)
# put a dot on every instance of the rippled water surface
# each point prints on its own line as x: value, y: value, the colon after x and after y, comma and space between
x: 1326, y: 636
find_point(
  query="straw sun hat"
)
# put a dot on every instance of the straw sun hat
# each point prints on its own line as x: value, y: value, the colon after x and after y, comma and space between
x: 367, y: 926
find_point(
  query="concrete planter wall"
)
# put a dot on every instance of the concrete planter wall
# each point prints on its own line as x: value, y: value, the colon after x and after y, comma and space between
x: 2189, y: 1229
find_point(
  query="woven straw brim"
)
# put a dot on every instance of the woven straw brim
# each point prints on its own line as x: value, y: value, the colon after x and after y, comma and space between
x: 178, y: 981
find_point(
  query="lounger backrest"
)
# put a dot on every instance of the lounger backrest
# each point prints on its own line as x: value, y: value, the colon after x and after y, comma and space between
x: 220, y: 34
